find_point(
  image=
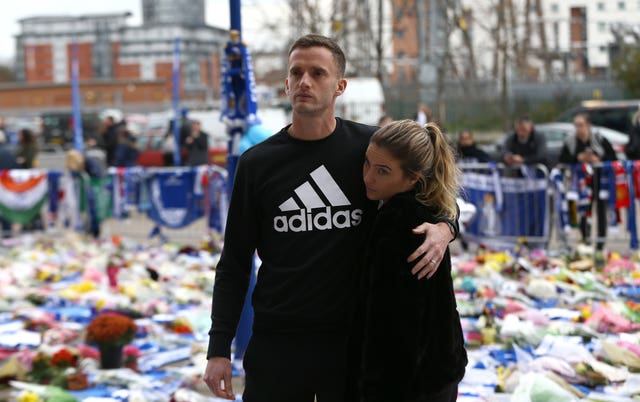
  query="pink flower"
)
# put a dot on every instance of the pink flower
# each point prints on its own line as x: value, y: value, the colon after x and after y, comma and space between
x: 131, y: 351
x: 88, y: 351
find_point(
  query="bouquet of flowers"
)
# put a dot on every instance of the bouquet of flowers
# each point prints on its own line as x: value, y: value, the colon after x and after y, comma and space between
x: 59, y: 369
x: 111, y: 330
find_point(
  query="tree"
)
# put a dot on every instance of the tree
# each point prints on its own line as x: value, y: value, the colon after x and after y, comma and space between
x: 6, y: 73
x: 625, y: 69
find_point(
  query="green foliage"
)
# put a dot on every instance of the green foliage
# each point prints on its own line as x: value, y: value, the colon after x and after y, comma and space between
x: 625, y: 70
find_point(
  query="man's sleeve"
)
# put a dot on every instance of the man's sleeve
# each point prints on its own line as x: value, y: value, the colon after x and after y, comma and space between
x: 540, y: 155
x: 609, y: 152
x: 234, y: 269
x: 454, y: 225
x: 565, y: 155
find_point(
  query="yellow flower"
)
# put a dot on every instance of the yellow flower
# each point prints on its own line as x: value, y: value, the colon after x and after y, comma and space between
x: 29, y: 397
x: 84, y: 287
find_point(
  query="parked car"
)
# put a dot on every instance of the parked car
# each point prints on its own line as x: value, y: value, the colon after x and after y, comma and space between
x: 615, y: 115
x: 555, y: 134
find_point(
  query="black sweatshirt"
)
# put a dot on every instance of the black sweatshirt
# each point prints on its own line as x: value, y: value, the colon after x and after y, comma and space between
x: 412, y: 343
x: 300, y: 204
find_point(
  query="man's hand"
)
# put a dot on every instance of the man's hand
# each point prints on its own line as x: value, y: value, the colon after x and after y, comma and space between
x: 437, y: 238
x: 217, y: 376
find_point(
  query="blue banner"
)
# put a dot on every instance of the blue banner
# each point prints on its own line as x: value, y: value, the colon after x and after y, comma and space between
x: 78, y: 137
x: 173, y: 199
x: 506, y: 206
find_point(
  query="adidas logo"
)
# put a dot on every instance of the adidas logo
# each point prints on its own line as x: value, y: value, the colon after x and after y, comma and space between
x: 319, y: 204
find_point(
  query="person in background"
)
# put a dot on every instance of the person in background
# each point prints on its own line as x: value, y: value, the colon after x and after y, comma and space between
x: 298, y: 200
x: 109, y: 138
x: 7, y: 157
x: 27, y: 150
x: 184, y: 128
x: 412, y: 343
x: 197, y: 144
x: 588, y: 146
x: 632, y: 149
x: 524, y: 145
x: 126, y: 152
x: 384, y: 120
x: 7, y: 161
x: 424, y: 114
x: 168, y: 145
x: 468, y: 151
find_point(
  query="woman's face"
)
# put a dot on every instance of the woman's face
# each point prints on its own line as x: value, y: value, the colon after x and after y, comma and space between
x: 383, y: 175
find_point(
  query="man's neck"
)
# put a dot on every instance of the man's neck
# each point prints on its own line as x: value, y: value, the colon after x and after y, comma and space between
x: 310, y: 128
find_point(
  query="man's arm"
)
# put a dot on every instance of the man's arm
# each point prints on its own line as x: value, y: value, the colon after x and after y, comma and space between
x: 437, y: 238
x: 232, y: 281
x: 507, y: 149
x: 540, y: 155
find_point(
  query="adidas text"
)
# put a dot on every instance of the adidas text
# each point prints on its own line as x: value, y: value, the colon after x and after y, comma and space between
x: 306, y: 221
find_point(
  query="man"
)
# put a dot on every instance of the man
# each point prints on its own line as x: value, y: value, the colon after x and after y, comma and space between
x: 589, y: 147
x: 7, y: 161
x: 109, y: 140
x: 7, y: 157
x: 468, y: 151
x: 299, y: 199
x: 197, y: 144
x: 524, y: 145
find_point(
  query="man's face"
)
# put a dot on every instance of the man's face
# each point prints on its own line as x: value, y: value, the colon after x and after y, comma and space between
x: 465, y: 139
x: 313, y: 81
x: 582, y: 127
x: 523, y: 130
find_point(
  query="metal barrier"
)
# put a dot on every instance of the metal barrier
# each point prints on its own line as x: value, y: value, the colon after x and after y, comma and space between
x: 178, y: 204
x: 512, y: 203
x: 185, y: 205
x: 595, y: 204
x: 597, y: 201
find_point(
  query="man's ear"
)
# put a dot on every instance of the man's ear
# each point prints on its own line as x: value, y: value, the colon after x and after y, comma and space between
x: 286, y: 86
x: 342, y: 85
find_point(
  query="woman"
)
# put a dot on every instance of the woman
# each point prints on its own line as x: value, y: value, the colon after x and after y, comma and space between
x: 412, y: 342
x: 27, y: 150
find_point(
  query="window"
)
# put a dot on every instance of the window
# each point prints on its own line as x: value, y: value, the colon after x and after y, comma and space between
x: 602, y: 27
x: 554, y: 7
x: 600, y: 6
x: 621, y: 5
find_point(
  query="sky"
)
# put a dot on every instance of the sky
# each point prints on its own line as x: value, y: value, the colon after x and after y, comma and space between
x: 217, y: 15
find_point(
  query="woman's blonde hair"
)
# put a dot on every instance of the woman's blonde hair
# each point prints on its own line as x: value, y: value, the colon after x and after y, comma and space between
x: 423, y: 153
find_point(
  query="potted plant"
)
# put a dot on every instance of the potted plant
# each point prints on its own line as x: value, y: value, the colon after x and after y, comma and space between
x: 110, y: 332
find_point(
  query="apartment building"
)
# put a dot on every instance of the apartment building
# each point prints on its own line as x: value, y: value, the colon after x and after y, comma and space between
x: 579, y: 35
x: 110, y: 50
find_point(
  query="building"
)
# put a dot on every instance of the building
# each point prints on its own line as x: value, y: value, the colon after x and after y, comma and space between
x: 578, y: 35
x: 585, y: 29
x: 108, y: 50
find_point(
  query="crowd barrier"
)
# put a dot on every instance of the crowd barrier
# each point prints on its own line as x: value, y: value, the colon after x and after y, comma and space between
x: 171, y: 199
x: 512, y: 204
x: 545, y: 207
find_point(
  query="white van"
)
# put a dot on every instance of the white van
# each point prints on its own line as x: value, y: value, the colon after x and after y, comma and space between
x: 362, y: 101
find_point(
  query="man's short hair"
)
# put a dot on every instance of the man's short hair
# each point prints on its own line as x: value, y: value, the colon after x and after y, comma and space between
x: 585, y: 116
x: 525, y: 118
x: 315, y: 40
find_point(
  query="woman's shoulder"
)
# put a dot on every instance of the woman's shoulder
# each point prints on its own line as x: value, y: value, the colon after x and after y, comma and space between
x: 404, y: 210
